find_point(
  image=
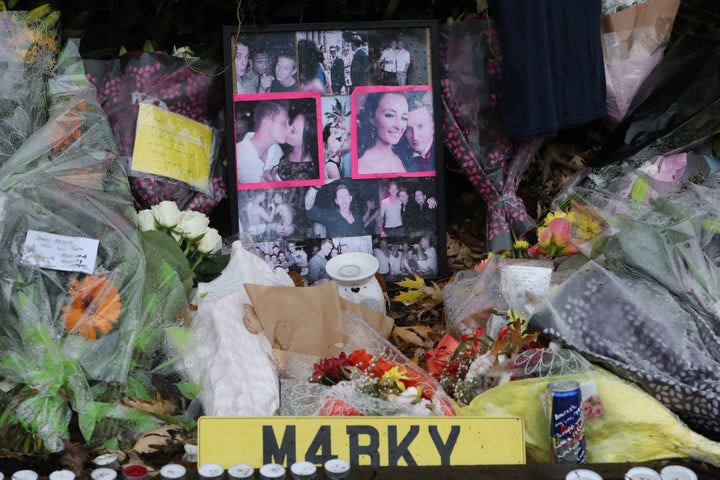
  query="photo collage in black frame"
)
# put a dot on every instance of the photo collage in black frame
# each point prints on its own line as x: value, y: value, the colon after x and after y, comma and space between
x: 332, y: 145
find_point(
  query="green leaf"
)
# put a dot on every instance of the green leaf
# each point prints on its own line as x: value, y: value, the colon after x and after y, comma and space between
x: 189, y: 390
x: 211, y: 267
x: 640, y: 189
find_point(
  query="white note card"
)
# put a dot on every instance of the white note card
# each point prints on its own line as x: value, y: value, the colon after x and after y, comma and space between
x: 60, y: 252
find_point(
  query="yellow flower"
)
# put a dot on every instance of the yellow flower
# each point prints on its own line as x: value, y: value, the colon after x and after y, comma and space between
x: 553, y: 215
x: 586, y: 227
x: 394, y: 376
x: 521, y: 245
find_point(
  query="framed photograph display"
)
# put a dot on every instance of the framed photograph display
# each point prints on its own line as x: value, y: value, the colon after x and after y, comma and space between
x: 332, y: 145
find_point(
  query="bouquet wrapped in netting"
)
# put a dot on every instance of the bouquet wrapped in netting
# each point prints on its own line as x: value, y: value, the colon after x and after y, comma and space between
x: 78, y: 334
x: 369, y: 376
x: 29, y: 44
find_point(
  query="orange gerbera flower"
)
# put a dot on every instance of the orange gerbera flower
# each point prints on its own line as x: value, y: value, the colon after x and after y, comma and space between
x: 95, y: 307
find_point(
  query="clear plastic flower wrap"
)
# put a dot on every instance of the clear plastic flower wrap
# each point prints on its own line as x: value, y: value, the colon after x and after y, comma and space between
x: 474, y: 297
x: 140, y: 87
x: 29, y: 43
x: 648, y: 306
x: 74, y: 334
x: 361, y: 394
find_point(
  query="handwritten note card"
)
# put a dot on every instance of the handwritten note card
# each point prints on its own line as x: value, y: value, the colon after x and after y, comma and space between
x: 170, y: 145
x: 60, y: 252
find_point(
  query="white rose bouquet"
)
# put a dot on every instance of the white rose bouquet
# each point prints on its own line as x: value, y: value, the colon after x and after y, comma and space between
x: 191, y: 230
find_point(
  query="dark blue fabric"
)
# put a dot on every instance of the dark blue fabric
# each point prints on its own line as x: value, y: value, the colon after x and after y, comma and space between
x: 552, y: 65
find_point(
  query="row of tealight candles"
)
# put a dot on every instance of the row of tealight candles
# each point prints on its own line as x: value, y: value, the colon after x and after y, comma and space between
x: 108, y: 466
x: 335, y: 469
x: 671, y: 472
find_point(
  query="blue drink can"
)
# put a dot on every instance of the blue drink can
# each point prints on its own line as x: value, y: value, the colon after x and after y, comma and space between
x: 567, y: 427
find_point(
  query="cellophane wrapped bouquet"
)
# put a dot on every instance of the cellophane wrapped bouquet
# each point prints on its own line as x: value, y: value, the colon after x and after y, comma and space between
x: 29, y: 44
x: 369, y: 376
x: 78, y: 344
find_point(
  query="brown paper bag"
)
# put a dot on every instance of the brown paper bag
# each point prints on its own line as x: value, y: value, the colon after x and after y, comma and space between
x: 309, y: 320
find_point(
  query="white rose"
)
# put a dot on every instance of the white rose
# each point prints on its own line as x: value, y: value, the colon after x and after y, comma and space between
x: 145, y: 220
x: 192, y: 224
x: 166, y: 213
x: 211, y: 242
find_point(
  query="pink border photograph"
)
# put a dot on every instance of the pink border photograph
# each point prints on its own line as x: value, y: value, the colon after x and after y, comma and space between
x: 278, y: 140
x: 393, y: 132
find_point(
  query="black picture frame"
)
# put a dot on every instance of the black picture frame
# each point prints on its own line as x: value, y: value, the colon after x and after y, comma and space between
x: 319, y: 150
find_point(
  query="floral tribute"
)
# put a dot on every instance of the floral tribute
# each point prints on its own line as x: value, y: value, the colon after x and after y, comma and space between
x: 190, y: 229
x: 77, y: 345
x: 360, y: 374
x: 469, y: 366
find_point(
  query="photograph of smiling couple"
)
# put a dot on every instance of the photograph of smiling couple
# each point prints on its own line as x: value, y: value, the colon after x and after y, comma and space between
x: 395, y: 132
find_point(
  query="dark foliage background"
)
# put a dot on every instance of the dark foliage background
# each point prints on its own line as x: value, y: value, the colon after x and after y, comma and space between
x: 106, y: 27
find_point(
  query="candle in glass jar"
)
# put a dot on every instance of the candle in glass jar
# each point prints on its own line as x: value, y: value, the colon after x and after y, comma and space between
x: 582, y: 474
x: 677, y: 472
x: 642, y: 473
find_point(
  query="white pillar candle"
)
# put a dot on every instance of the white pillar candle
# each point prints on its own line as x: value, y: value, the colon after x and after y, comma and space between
x: 583, y: 474
x: 642, y: 473
x: 677, y: 472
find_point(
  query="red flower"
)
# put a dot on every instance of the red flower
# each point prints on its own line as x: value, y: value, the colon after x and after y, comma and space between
x: 330, y: 371
x: 437, y: 358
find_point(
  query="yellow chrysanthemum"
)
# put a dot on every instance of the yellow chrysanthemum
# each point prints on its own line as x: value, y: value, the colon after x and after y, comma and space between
x: 586, y: 227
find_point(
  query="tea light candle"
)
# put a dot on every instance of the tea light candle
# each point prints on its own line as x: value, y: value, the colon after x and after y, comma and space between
x: 135, y: 472
x: 211, y: 471
x: 62, y: 475
x: 582, y: 474
x: 103, y: 473
x: 172, y: 471
x: 336, y: 469
x: 241, y: 471
x: 303, y: 470
x: 677, y: 472
x: 191, y: 452
x: 642, y: 473
x: 25, y: 475
x: 107, y: 460
x: 272, y: 471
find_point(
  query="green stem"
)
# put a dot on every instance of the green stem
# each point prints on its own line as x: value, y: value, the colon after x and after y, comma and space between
x: 197, y: 262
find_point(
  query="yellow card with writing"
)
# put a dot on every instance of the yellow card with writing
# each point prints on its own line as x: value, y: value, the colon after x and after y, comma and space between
x: 375, y: 441
x: 173, y: 146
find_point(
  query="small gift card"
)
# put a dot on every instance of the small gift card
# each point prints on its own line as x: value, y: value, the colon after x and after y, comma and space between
x: 59, y: 252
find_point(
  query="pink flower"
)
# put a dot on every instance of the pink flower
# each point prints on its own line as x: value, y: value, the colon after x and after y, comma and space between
x: 554, y: 240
